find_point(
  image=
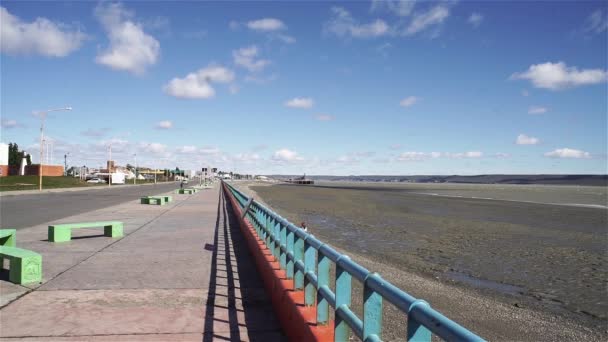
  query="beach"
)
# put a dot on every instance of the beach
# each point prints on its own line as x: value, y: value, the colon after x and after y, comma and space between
x: 534, y: 250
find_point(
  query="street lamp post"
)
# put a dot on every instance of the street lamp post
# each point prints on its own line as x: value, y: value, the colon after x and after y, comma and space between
x: 65, y: 164
x: 135, y: 178
x: 42, y: 117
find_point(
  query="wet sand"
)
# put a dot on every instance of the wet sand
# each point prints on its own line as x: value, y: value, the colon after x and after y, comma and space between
x: 538, y: 248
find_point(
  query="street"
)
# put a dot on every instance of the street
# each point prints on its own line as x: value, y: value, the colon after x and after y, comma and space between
x: 20, y: 211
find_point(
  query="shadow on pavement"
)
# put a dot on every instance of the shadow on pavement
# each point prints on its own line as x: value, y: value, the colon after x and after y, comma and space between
x: 237, y: 305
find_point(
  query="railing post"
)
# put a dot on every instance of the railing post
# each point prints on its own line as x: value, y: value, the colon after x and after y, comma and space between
x: 283, y: 255
x: 290, y: 262
x: 323, y: 263
x: 309, y: 266
x: 372, y: 310
x: 298, y: 255
x: 277, y: 239
x: 266, y: 228
x: 343, y: 297
x: 416, y: 331
x: 271, y: 231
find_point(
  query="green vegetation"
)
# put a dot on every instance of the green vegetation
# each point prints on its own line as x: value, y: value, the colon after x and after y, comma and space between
x: 14, y: 155
x: 13, y: 183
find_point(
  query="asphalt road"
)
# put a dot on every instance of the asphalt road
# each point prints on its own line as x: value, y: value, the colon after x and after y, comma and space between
x: 20, y: 211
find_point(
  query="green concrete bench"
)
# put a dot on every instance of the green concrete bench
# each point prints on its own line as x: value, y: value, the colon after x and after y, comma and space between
x: 152, y: 200
x: 159, y: 200
x: 185, y: 191
x: 25, y: 265
x: 167, y: 199
x: 63, y: 232
x: 8, y: 237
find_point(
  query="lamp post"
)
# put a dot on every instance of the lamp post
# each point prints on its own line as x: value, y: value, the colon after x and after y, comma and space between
x: 42, y: 117
x: 135, y: 178
x: 65, y: 163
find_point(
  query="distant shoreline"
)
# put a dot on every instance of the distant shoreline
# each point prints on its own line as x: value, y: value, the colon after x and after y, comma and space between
x: 542, y: 179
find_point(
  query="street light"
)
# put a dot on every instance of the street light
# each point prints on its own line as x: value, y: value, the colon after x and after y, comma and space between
x: 42, y: 117
x: 135, y: 178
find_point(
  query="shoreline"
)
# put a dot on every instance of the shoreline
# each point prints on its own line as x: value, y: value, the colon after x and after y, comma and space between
x: 516, y: 312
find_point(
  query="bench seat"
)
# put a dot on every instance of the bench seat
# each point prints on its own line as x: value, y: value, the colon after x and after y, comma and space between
x: 188, y: 191
x: 63, y: 232
x: 159, y: 200
x: 25, y: 265
x: 8, y: 237
x: 152, y: 200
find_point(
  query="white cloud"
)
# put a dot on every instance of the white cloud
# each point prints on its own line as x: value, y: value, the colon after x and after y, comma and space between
x: 537, y: 110
x: 525, y: 93
x: 284, y: 38
x: 209, y: 150
x: 409, y: 101
x: 197, y: 85
x: 324, y: 117
x: 342, y: 24
x: 130, y: 49
x: 558, y: 76
x: 395, y: 146
x: 8, y: 124
x: 247, y: 157
x: 285, y: 155
x: 419, y: 156
x: 300, y: 102
x: 266, y: 24
x: 472, y: 154
x: 597, y: 22
x: 95, y: 132
x: 166, y: 124
x: 424, y: 20
x: 154, y: 148
x: 401, y: 8
x: 187, y: 149
x: 41, y: 36
x: 568, y: 153
x: 413, y: 156
x: 523, y: 139
x: 475, y: 19
x: 246, y: 58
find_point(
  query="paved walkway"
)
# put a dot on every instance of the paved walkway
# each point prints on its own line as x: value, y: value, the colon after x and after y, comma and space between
x: 182, y: 272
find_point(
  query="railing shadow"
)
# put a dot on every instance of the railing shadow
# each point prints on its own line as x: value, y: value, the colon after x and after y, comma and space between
x: 237, y: 305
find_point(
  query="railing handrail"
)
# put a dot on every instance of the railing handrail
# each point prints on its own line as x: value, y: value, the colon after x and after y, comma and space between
x: 300, y: 254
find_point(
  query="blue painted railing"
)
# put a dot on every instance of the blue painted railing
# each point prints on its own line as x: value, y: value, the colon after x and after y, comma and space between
x: 306, y: 260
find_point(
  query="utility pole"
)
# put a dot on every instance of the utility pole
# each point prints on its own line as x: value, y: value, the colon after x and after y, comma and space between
x: 110, y: 167
x: 65, y: 163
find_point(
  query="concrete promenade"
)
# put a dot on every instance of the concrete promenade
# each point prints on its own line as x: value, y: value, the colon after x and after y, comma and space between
x: 181, y: 272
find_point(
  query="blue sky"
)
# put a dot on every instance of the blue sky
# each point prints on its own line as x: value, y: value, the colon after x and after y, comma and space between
x: 380, y: 87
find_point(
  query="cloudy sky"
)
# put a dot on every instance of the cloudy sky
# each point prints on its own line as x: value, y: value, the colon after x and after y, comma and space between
x: 380, y: 87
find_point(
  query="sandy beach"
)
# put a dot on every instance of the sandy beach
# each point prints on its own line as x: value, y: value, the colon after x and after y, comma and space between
x: 510, y: 262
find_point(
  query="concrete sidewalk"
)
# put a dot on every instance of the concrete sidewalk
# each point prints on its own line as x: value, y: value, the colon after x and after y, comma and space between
x: 181, y: 272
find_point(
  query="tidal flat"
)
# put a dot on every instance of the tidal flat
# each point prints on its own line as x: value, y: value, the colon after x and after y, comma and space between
x: 534, y: 247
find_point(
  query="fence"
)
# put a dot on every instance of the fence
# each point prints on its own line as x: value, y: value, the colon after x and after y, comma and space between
x: 307, y: 260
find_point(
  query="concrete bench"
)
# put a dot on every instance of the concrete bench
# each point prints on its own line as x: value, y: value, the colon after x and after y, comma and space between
x: 8, y: 237
x: 25, y: 266
x: 185, y: 191
x: 159, y: 200
x: 63, y: 232
x: 152, y: 200
x: 167, y: 199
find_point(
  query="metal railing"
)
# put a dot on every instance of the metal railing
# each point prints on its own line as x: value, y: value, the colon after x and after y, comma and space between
x: 306, y: 260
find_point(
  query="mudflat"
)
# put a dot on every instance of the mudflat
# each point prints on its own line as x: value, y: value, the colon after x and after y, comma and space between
x: 537, y: 247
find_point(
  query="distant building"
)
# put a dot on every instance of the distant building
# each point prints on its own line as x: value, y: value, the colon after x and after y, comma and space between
x: 3, y: 159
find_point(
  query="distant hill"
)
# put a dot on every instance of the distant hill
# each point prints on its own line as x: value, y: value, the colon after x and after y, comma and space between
x: 593, y: 180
